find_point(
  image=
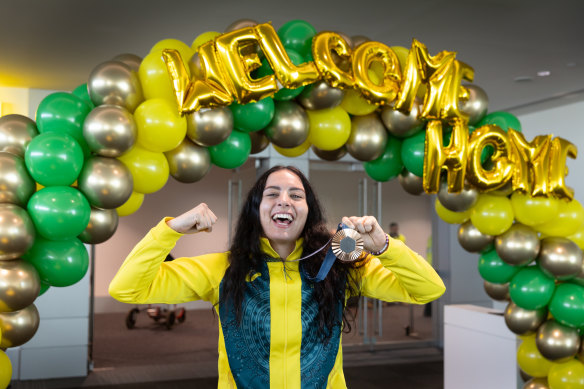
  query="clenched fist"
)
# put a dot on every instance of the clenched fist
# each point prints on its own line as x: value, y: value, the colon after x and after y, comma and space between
x: 371, y: 232
x: 198, y: 219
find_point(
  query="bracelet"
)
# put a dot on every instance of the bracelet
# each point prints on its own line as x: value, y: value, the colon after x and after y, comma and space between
x: 376, y: 253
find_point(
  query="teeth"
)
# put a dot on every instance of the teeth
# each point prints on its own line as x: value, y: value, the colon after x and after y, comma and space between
x: 282, y: 216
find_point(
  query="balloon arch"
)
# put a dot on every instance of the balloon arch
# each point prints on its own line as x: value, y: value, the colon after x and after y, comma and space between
x: 94, y: 153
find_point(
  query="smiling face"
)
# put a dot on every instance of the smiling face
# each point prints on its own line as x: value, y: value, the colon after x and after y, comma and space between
x: 283, y: 210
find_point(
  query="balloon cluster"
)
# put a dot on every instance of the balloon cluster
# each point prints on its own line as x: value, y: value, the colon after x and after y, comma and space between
x: 531, y: 256
x: 94, y: 153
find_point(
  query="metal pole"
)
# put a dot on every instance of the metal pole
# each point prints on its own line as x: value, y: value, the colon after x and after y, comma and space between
x: 365, y: 302
x: 91, y: 308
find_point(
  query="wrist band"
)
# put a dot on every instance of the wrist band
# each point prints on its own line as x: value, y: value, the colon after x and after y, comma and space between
x: 384, y: 247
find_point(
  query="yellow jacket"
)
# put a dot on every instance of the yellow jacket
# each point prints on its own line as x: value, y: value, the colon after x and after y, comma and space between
x: 276, y: 329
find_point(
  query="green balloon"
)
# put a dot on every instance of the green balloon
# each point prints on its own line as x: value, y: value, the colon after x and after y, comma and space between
x: 232, y: 152
x: 284, y: 93
x: 253, y: 116
x: 44, y: 287
x: 59, y: 212
x: 531, y: 289
x: 297, y: 35
x: 83, y: 93
x: 59, y: 262
x: 389, y: 164
x: 505, y: 120
x: 493, y: 269
x: 567, y: 305
x: 54, y: 158
x: 64, y: 113
x: 412, y: 153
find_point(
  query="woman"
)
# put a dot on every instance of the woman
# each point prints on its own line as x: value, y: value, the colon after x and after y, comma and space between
x: 278, y: 329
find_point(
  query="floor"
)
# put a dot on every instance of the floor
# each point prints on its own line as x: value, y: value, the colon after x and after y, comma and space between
x: 152, y: 356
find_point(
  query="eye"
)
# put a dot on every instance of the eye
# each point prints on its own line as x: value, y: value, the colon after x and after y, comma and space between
x: 296, y: 196
x: 271, y: 194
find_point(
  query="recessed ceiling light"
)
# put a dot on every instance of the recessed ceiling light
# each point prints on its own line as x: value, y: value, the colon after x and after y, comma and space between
x: 523, y: 79
x: 544, y: 73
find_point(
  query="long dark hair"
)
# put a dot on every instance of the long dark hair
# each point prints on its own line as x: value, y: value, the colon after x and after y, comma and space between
x: 246, y: 257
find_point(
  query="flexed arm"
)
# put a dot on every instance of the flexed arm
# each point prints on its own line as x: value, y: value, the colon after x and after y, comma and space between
x: 144, y: 277
x: 395, y: 273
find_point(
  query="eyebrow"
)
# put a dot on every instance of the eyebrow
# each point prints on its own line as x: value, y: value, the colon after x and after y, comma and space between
x: 278, y: 188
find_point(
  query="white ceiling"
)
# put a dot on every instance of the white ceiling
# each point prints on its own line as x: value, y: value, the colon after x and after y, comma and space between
x: 55, y: 44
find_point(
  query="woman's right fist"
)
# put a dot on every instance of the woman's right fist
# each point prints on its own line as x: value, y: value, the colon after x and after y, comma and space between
x: 198, y: 219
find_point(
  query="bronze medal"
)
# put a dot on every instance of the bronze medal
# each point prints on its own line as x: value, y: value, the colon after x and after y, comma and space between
x: 347, y: 245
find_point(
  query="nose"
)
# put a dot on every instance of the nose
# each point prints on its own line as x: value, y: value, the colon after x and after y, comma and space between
x: 284, y: 199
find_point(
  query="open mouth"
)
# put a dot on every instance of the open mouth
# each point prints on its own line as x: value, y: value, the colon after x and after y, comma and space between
x: 282, y: 219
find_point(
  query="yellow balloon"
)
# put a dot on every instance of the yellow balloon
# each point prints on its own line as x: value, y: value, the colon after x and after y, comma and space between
x: 293, y: 151
x: 185, y: 51
x: 449, y: 216
x: 329, y: 128
x: 155, y: 79
x: 492, y: 215
x: 530, y: 210
x: 568, y: 220
x: 5, y: 370
x: 160, y: 126
x: 355, y: 104
x: 530, y: 359
x: 578, y: 237
x: 131, y: 205
x: 569, y: 375
x: 203, y: 38
x: 149, y: 169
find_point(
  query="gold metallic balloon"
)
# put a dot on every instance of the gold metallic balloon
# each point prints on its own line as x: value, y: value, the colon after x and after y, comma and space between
x: 132, y: 60
x: 19, y: 327
x: 499, y: 292
x: 289, y: 126
x: 400, y: 124
x: 561, y: 150
x: 102, y: 226
x: 471, y: 239
x: 16, y: 131
x: 560, y: 258
x: 17, y: 231
x: 115, y: 83
x: 557, y: 342
x: 209, y: 127
x: 537, y: 383
x: 259, y: 141
x: 19, y: 285
x: 457, y: 202
x: 411, y: 183
x: 188, y: 162
x: 580, y: 354
x: 321, y: 95
x: 356, y: 40
x: 16, y: 184
x: 106, y: 182
x: 290, y: 75
x: 330, y: 155
x: 523, y: 321
x: 323, y: 46
x: 368, y: 137
x: 518, y: 246
x: 475, y: 105
x: 500, y: 173
x: 241, y: 23
x: 110, y: 130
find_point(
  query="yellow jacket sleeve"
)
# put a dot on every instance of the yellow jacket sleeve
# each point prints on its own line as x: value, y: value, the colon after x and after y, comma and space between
x: 144, y: 277
x: 399, y: 274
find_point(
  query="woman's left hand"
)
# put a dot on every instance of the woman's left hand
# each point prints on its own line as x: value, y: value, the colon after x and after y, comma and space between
x: 371, y: 232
